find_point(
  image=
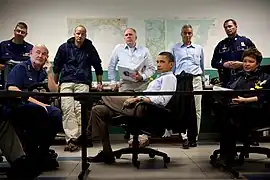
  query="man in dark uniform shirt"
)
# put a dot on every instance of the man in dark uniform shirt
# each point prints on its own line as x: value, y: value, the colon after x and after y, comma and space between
x: 228, y: 52
x: 15, y: 49
x: 35, y: 121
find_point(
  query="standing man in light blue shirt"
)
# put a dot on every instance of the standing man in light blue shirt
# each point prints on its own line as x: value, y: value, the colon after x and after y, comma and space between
x: 131, y: 55
x: 189, y: 61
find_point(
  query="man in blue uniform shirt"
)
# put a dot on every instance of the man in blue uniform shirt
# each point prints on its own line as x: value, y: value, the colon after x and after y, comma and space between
x: 38, y: 121
x: 228, y: 53
x: 16, y: 48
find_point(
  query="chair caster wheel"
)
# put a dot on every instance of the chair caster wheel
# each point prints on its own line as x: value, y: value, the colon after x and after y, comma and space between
x: 166, y: 160
x: 136, y: 164
x: 152, y: 155
x: 234, y: 175
x: 214, y: 164
x: 118, y: 156
x: 221, y: 169
x: 213, y: 157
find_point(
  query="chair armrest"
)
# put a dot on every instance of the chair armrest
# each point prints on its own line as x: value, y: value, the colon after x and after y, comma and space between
x: 262, y: 129
x: 153, y: 107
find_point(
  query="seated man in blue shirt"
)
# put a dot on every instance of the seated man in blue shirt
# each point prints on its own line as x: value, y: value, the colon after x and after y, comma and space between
x: 113, y: 106
x: 38, y: 121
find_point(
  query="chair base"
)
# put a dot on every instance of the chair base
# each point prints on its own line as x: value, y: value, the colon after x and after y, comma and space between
x: 244, y: 153
x: 241, y: 149
x: 223, y: 167
x: 3, y: 170
x: 135, y: 151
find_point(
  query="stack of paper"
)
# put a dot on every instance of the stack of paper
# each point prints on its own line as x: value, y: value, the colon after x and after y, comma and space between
x: 127, y: 72
x: 218, y: 88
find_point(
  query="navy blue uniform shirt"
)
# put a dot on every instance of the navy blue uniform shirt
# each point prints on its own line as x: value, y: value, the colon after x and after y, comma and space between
x: 229, y: 49
x: 74, y: 64
x: 247, y: 81
x: 11, y: 51
x: 23, y: 76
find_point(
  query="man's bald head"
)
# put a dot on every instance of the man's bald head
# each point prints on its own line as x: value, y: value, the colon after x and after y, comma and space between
x: 80, y: 34
x: 41, y: 46
x: 38, y: 56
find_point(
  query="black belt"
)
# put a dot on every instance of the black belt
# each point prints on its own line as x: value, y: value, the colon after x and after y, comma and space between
x: 183, y: 73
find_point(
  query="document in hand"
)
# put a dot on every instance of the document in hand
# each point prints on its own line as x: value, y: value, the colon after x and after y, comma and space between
x: 127, y: 71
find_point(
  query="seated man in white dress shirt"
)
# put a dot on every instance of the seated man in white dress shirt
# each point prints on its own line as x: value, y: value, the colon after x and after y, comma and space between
x: 112, y: 106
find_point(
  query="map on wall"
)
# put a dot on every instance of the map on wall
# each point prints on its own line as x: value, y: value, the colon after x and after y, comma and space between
x: 155, y: 36
x: 162, y: 34
x: 105, y: 33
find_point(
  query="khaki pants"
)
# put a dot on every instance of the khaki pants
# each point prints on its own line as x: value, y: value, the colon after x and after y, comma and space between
x: 72, y: 109
x: 10, y: 144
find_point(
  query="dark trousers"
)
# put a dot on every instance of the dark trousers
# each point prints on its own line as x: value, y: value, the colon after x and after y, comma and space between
x: 36, y: 127
x: 185, y: 110
x: 2, y: 80
x: 237, y: 124
x: 150, y: 119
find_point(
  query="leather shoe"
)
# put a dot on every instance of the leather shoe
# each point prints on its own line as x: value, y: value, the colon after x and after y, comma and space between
x: 106, y: 157
x: 24, y: 168
x: 185, y: 144
x: 192, y: 144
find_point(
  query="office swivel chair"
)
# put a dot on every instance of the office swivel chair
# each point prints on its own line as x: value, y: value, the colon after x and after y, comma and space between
x: 247, y: 148
x: 155, y: 120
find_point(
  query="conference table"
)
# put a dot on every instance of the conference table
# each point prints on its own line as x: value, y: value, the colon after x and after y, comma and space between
x: 86, y: 101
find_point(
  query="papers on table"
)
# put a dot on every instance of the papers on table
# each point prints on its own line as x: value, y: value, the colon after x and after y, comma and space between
x: 218, y: 88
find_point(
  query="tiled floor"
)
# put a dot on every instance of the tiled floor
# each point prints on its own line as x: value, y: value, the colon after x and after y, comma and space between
x: 185, y: 164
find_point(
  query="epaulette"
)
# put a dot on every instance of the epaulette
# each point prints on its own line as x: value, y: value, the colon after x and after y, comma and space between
x: 259, y: 85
